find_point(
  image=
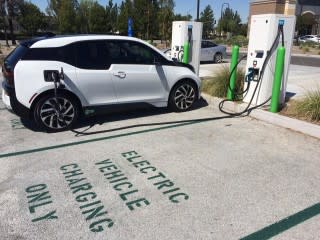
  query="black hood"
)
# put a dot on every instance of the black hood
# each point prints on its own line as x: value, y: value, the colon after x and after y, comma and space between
x: 180, y: 64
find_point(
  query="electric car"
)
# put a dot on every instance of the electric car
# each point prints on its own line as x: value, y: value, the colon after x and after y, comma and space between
x: 209, y: 52
x: 54, y: 79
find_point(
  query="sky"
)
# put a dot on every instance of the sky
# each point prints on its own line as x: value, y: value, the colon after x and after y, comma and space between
x: 187, y: 6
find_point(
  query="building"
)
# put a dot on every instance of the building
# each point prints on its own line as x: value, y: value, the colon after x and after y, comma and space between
x: 272, y: 6
x: 309, y: 10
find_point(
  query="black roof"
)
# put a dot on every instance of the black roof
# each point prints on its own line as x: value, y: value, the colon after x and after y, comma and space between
x: 309, y: 2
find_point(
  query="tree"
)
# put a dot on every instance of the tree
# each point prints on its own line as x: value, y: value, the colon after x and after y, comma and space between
x: 3, y: 19
x: 145, y: 22
x: 83, y: 15
x: 67, y: 16
x: 179, y: 17
x: 31, y: 18
x: 97, y: 18
x: 111, y: 17
x: 125, y: 11
x: 13, y: 10
x: 230, y: 21
x: 165, y: 18
x: 65, y: 13
x: 207, y: 18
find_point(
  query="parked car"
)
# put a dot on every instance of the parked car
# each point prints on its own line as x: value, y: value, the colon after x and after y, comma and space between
x: 309, y: 38
x: 93, y: 71
x: 209, y: 52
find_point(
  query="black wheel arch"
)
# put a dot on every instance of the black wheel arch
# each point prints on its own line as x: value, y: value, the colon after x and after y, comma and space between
x: 218, y: 53
x: 51, y: 92
x: 189, y: 80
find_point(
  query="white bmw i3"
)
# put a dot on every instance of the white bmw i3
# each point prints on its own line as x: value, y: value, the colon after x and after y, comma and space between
x: 54, y: 79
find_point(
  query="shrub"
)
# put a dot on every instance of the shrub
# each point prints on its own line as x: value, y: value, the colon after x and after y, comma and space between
x: 218, y: 85
x: 309, y: 106
x: 309, y: 44
x: 239, y: 40
x: 306, y: 49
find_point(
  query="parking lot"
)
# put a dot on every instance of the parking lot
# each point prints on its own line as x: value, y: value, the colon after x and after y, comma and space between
x: 154, y: 174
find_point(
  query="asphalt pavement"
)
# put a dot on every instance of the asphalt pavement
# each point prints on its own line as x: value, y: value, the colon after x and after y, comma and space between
x: 306, y: 61
x: 154, y: 174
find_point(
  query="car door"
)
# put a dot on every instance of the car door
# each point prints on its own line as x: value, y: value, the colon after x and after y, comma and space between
x: 136, y: 77
x: 204, y: 53
x: 94, y: 77
x: 211, y: 50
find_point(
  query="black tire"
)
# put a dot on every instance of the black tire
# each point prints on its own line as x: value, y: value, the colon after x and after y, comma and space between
x: 218, y: 58
x: 47, y: 117
x: 183, y: 96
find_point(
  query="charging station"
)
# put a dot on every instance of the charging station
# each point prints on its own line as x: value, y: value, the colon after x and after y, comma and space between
x: 263, y: 32
x: 186, y: 42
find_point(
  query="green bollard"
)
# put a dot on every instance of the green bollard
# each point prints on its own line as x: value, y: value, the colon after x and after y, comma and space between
x: 186, y: 48
x: 233, y: 78
x: 277, y: 80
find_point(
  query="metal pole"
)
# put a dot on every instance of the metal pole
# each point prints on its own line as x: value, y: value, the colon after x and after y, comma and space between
x: 233, y: 71
x: 227, y: 4
x: 221, y: 20
x: 277, y: 79
x: 198, y: 9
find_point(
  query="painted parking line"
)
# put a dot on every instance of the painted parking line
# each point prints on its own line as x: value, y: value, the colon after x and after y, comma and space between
x: 185, y: 123
x: 285, y: 224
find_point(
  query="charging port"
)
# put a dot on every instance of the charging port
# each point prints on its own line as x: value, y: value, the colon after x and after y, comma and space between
x: 256, y: 72
x: 253, y: 74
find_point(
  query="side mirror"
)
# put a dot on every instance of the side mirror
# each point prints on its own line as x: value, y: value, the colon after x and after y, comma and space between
x: 51, y: 75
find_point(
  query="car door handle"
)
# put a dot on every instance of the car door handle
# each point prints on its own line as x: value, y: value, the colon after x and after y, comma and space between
x: 120, y: 74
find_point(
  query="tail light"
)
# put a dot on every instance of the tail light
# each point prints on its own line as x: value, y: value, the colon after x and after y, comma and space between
x: 8, y: 75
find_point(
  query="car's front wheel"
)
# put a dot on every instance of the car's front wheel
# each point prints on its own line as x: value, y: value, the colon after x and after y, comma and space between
x: 183, y: 96
x: 56, y: 113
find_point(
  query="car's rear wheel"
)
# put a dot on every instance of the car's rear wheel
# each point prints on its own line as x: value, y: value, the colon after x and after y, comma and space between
x: 218, y: 58
x: 183, y: 96
x: 56, y: 113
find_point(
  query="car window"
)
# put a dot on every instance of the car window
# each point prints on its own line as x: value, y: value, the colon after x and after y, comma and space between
x: 129, y: 52
x: 211, y: 44
x: 61, y: 54
x: 92, y: 55
x: 204, y: 44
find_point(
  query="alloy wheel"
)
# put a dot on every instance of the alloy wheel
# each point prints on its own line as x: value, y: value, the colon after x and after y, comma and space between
x: 57, y: 113
x: 184, y: 96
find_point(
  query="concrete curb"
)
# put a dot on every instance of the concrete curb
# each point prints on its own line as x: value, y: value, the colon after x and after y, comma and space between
x: 265, y: 116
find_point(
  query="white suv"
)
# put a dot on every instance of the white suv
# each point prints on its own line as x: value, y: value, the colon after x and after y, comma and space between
x: 53, y: 79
